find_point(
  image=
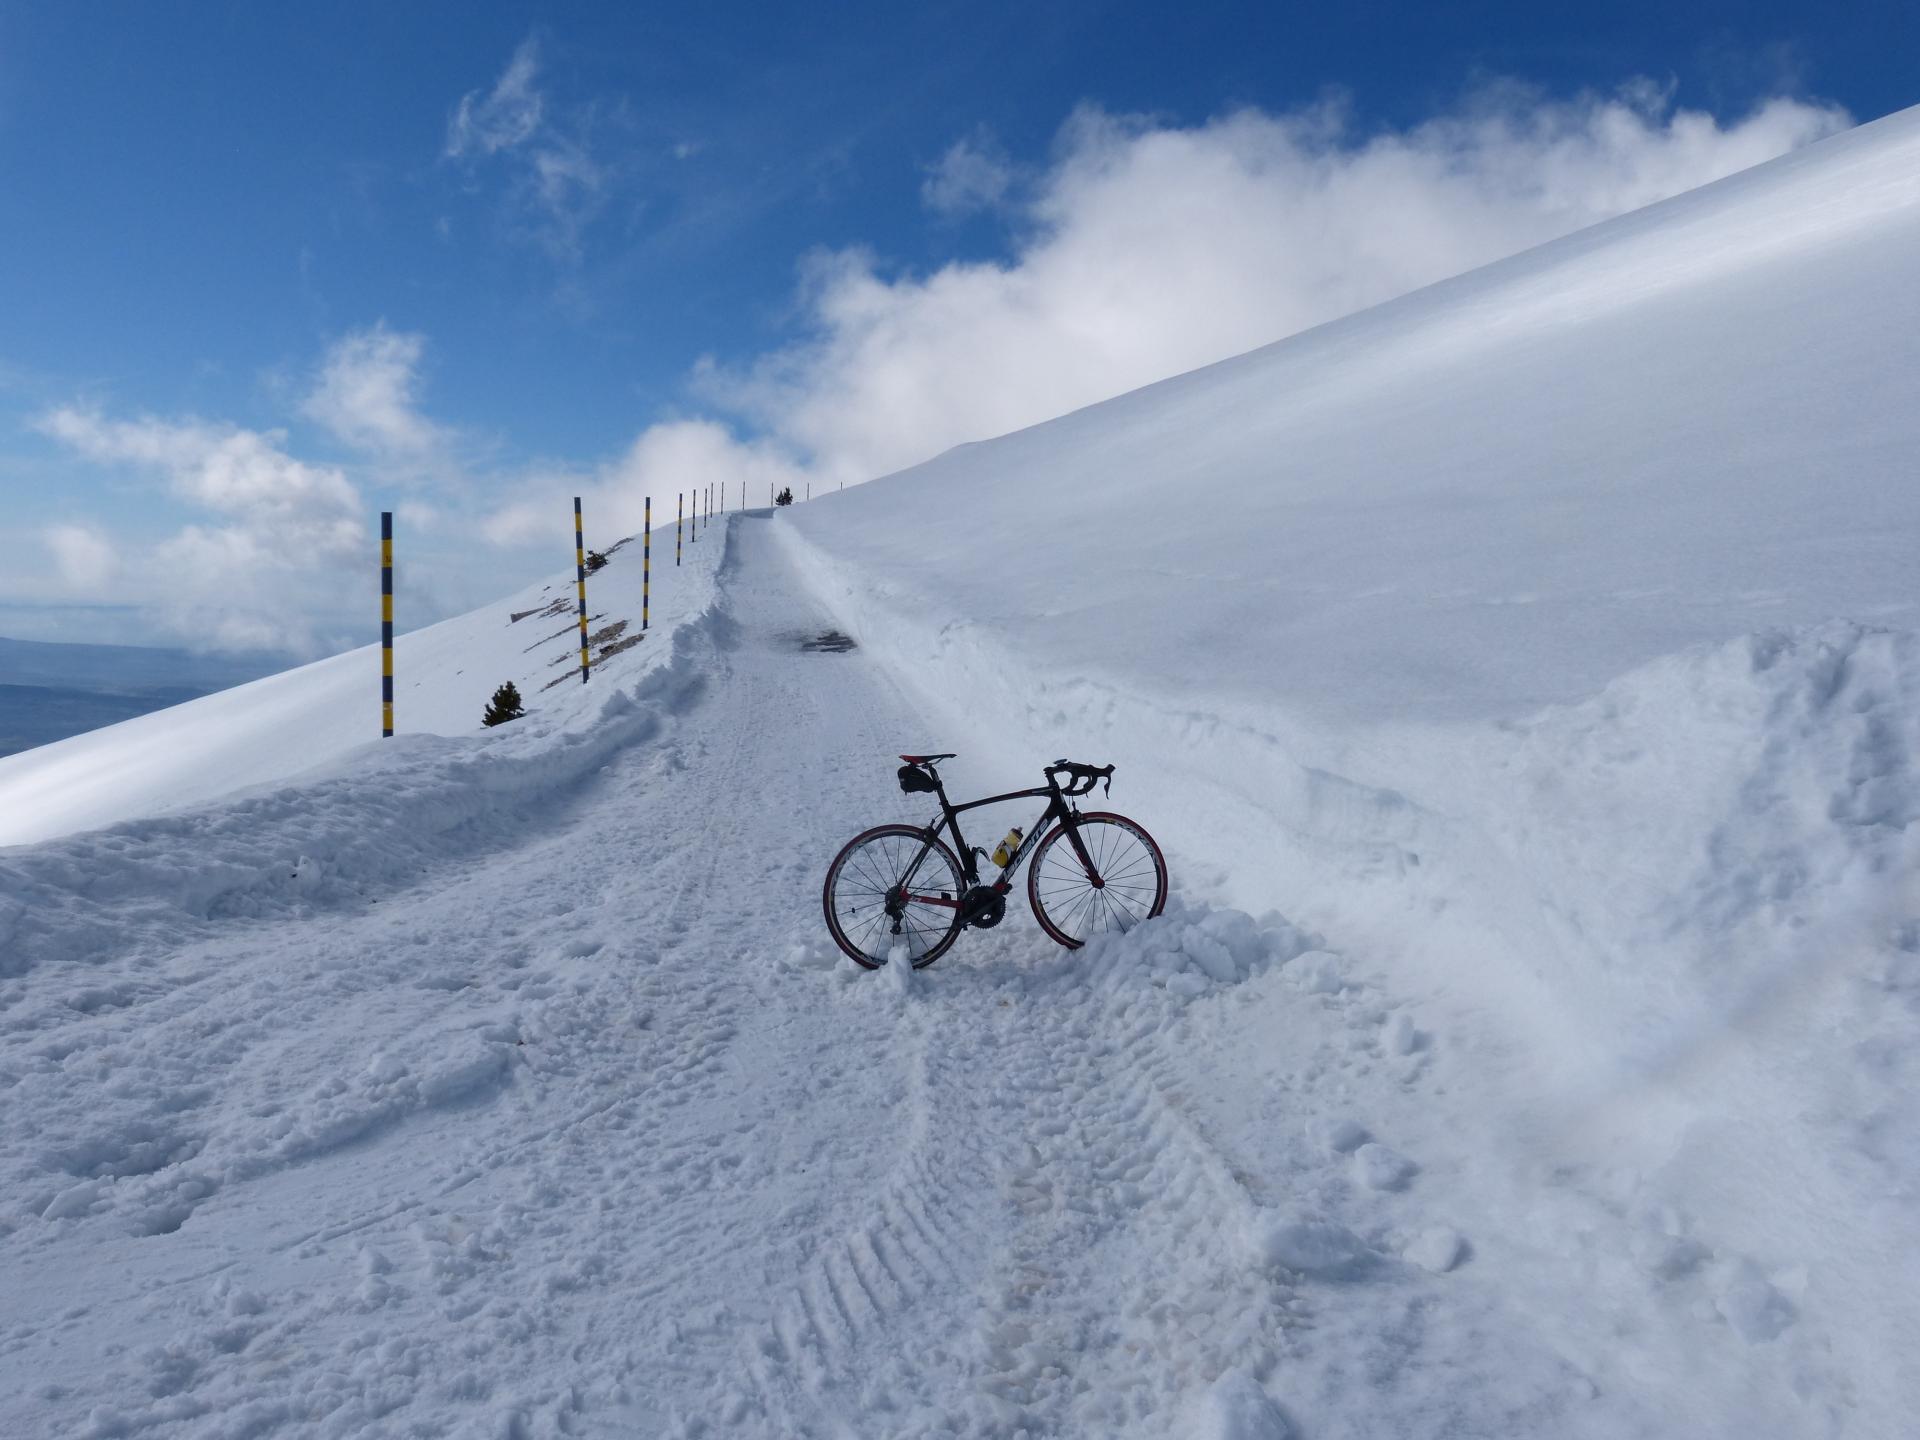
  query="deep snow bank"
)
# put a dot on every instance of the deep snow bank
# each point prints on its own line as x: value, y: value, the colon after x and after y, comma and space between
x: 1619, y: 877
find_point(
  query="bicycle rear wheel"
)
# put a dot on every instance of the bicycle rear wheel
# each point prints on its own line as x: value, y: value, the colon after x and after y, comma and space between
x: 872, y: 912
x: 1128, y: 882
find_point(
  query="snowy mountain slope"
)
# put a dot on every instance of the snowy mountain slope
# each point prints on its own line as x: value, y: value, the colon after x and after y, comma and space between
x: 324, y: 714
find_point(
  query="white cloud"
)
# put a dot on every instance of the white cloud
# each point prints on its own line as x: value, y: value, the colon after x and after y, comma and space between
x: 291, y: 508
x: 555, y: 186
x: 366, y: 394
x: 85, y: 558
x: 1149, y: 250
x: 260, y: 579
x: 566, y: 190
x: 973, y: 175
x: 506, y: 116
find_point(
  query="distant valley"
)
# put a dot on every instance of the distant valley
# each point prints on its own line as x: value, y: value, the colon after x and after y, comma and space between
x: 49, y: 691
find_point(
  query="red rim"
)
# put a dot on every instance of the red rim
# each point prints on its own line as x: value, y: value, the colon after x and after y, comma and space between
x: 1123, y: 905
x: 930, y: 901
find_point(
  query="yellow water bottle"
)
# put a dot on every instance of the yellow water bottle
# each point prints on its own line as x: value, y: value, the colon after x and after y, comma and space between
x: 1004, y: 855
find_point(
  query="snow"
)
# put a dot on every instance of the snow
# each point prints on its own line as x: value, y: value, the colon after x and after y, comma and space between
x: 1522, y: 681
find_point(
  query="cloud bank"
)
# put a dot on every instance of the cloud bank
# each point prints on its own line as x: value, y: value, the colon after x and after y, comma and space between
x: 1144, y: 250
x: 259, y: 574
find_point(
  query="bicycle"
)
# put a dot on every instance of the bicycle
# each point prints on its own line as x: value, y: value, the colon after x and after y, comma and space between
x: 900, y: 890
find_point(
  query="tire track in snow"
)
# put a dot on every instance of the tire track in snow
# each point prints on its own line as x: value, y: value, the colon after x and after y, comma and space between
x: 1128, y: 1286
x: 1082, y: 1261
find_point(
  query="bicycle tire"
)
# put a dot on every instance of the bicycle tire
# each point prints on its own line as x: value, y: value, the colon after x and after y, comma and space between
x: 1070, y: 906
x: 857, y: 882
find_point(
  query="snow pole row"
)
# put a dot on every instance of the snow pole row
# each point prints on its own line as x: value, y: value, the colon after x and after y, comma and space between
x: 580, y: 581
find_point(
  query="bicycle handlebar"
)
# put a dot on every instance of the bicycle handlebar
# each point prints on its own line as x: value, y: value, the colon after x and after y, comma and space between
x: 1084, y: 776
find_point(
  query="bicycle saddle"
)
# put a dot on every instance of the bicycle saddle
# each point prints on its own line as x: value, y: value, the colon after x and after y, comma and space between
x: 925, y: 759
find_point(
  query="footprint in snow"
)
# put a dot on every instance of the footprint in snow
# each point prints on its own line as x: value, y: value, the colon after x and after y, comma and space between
x: 1437, y: 1249
x: 1310, y: 1246
x: 1378, y: 1168
x: 1339, y: 1137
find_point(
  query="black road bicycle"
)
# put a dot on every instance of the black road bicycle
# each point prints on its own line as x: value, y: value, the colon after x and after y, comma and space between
x: 899, y: 890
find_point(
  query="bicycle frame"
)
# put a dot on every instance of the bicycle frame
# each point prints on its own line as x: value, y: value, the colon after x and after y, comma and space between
x: 1058, y: 808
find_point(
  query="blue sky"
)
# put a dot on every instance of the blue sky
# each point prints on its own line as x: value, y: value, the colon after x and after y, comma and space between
x: 265, y: 271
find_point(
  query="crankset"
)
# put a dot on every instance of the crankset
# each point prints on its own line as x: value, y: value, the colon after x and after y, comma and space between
x: 983, y: 908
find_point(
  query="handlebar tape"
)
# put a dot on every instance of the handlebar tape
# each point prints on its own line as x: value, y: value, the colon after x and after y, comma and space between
x: 1084, y: 777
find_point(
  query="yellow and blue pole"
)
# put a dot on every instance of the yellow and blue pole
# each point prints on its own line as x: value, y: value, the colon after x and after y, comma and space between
x: 646, y: 564
x: 386, y: 624
x: 580, y: 572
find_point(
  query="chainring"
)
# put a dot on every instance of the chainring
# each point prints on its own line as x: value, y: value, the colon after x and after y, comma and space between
x: 984, y: 907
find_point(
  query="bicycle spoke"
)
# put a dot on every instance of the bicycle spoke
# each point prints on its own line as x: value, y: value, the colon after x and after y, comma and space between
x: 870, y: 876
x: 1079, y: 910
x: 1120, y: 882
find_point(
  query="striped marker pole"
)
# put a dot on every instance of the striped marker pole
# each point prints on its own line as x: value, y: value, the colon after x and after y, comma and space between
x: 580, y: 572
x: 386, y: 624
x: 679, y: 524
x: 646, y: 564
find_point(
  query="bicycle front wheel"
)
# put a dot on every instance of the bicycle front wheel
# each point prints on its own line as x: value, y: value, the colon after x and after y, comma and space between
x: 1122, y: 881
x: 894, y: 890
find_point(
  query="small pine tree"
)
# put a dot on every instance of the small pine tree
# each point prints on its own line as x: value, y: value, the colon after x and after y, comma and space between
x: 785, y: 497
x: 595, y: 560
x: 505, y: 706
